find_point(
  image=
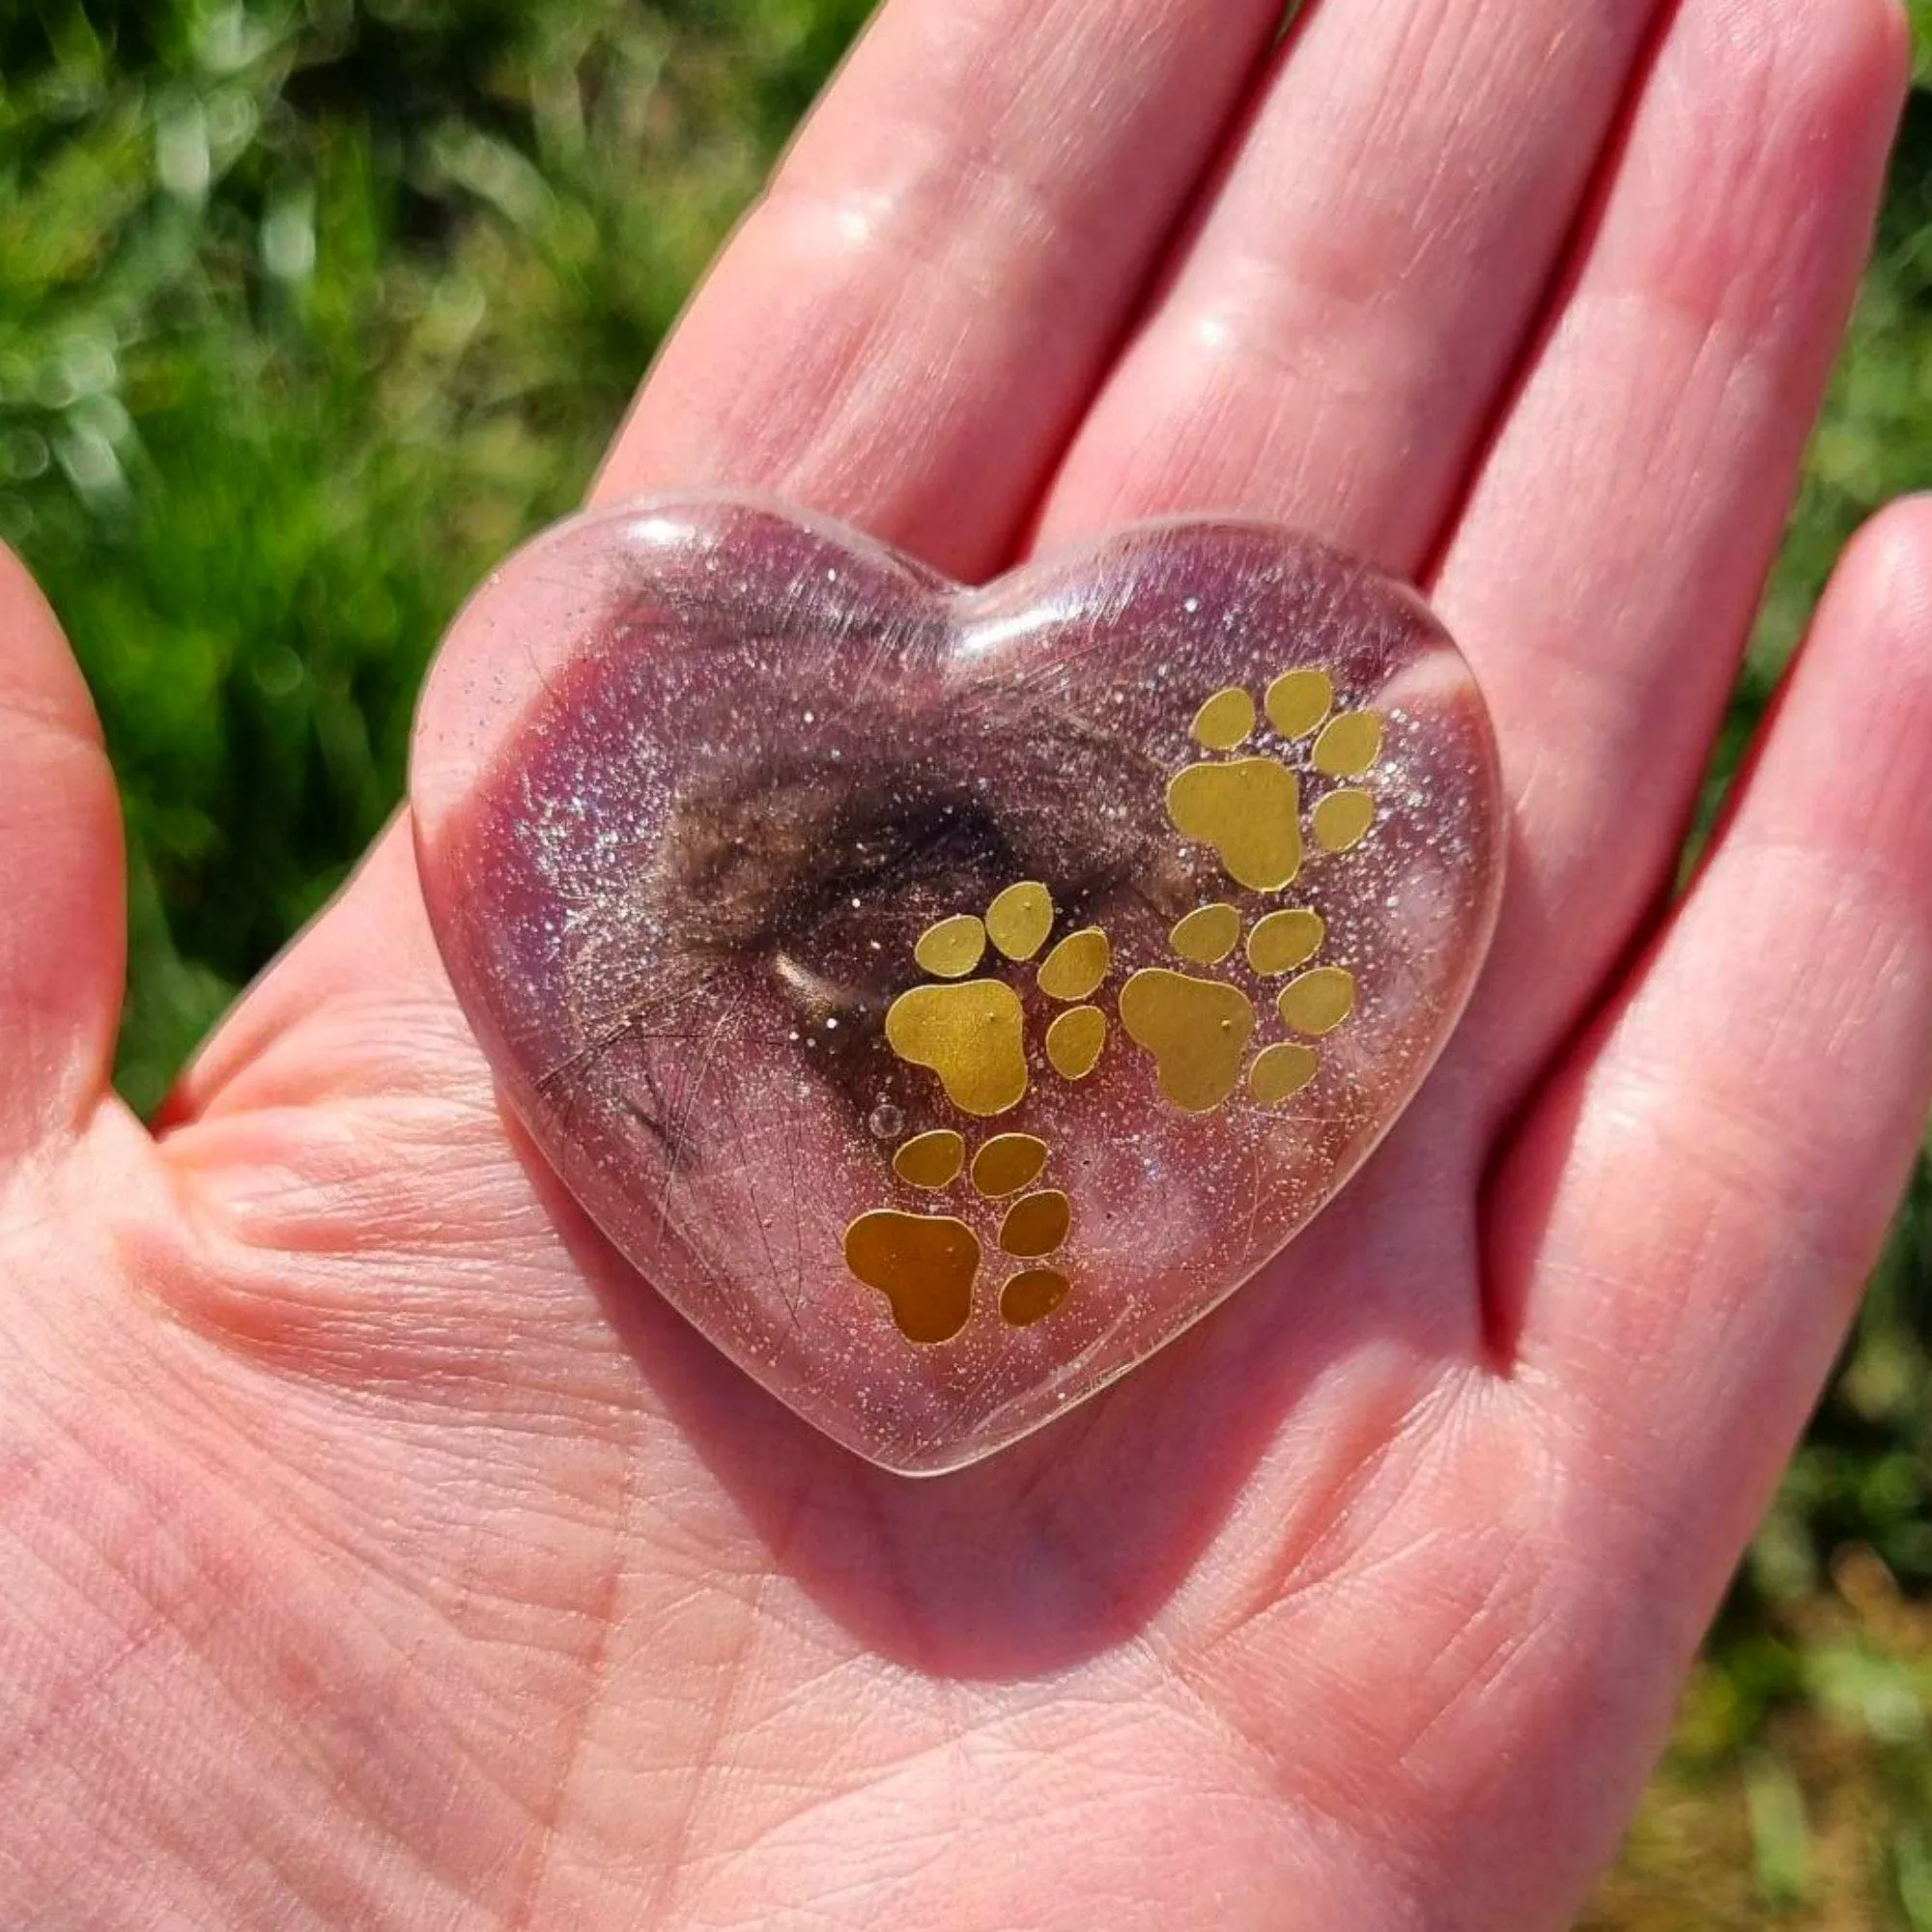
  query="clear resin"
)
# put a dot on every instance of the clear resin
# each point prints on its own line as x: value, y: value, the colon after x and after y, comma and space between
x: 944, y: 996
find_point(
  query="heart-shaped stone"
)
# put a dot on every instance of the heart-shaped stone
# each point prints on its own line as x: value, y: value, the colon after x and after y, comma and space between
x: 946, y: 996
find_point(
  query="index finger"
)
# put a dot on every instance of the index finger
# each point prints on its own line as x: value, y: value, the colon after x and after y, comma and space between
x: 909, y: 323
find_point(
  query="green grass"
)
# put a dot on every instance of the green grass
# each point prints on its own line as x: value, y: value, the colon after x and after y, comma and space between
x: 306, y: 313
x: 309, y: 310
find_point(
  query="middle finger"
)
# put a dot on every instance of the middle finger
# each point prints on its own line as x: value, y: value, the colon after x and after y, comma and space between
x: 1335, y: 330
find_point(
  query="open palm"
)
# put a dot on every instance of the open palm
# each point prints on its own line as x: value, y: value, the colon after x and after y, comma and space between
x: 379, y: 1552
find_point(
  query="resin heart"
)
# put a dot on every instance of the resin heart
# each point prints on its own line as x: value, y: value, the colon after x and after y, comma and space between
x: 945, y: 996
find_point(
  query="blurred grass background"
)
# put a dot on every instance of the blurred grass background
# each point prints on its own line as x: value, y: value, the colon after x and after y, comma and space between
x: 310, y: 308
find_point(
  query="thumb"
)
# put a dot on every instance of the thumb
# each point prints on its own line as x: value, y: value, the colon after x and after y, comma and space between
x: 63, y: 938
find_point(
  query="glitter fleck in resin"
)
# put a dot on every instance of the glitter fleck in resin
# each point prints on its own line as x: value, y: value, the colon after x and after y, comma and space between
x: 945, y: 996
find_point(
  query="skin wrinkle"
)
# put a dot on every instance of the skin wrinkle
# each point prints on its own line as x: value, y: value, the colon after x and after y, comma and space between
x: 1659, y: 1540
x: 782, y: 1620
x: 1049, y: 1526
x: 1406, y: 1170
x: 399, y: 1672
x: 1254, y: 341
x: 278, y: 1209
x: 1298, y: 1569
x: 1738, y: 1169
x: 167, y: 1623
x: 1329, y: 1591
x: 217, y: 1886
x: 1411, y: 1739
x: 405, y: 1664
x: 761, y: 441
x: 1516, y: 1616
x: 741, y: 1859
x: 812, y: 1803
x: 1712, y: 285
x: 1457, y: 68
x: 477, y: 1765
x: 1608, y: 1482
x: 289, y: 1868
x: 1857, y: 899
x: 1614, y: 1476
x: 721, y: 1705
x: 601, y: 1661
x: 337, y: 1342
x: 329, y: 963
x: 375, y: 1046
x: 946, y: 222
x: 1371, y: 1841
x: 1651, y: 1343
x: 976, y: 70
x: 577, y: 1609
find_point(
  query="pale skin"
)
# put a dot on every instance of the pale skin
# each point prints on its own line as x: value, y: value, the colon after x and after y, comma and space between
x: 379, y: 1551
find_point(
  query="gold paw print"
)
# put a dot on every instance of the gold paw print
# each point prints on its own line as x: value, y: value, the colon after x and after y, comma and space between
x: 924, y: 1264
x: 971, y: 1032
x: 1249, y: 809
x: 1248, y: 812
x: 967, y: 1025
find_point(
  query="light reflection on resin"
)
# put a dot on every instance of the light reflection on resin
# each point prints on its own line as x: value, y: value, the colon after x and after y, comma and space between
x: 855, y: 946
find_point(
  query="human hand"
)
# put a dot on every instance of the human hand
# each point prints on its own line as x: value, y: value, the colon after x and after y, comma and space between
x: 381, y: 1552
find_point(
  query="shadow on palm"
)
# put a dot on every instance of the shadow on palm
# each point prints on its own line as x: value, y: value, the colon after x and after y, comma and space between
x: 1075, y: 1539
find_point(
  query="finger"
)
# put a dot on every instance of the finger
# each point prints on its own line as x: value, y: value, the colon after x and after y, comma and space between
x: 62, y: 933
x: 908, y: 325
x: 901, y: 333
x: 1605, y: 577
x: 378, y: 1024
x: 1682, y: 1229
x: 1334, y: 333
